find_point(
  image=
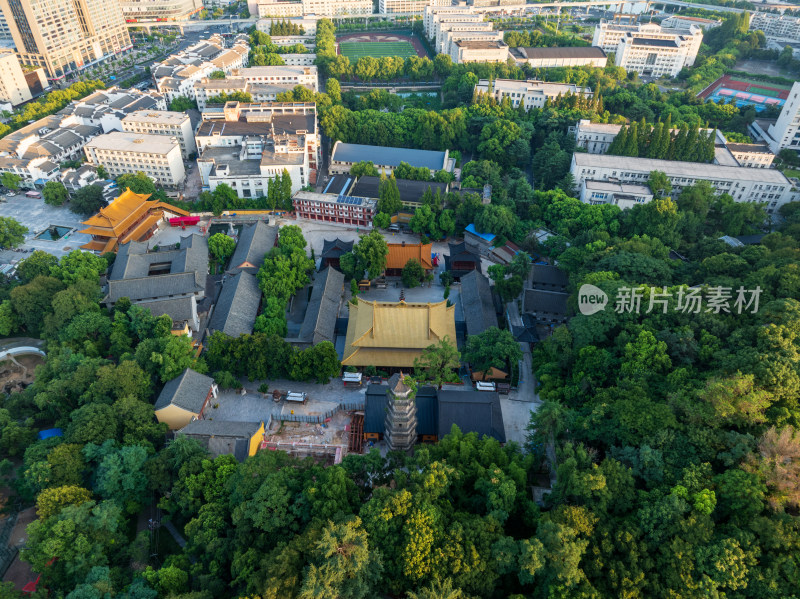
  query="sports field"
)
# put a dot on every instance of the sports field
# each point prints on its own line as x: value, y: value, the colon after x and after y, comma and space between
x: 355, y: 50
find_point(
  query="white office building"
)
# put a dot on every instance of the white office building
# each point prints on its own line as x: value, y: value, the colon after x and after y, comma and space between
x: 767, y: 186
x: 531, y: 93
x: 648, y: 48
x: 246, y: 145
x: 13, y: 87
x: 163, y: 122
x: 408, y: 6
x: 685, y: 23
x: 548, y: 58
x: 120, y: 152
x: 278, y: 9
x: 280, y: 75
x: 336, y: 8
x: 479, y: 51
x: 785, y: 132
x: 776, y: 27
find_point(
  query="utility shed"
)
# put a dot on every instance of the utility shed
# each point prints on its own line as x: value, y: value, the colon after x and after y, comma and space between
x: 222, y: 437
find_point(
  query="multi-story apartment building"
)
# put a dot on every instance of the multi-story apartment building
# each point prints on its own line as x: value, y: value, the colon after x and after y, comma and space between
x: 35, y: 151
x: 451, y: 39
x: 120, y: 152
x: 456, y: 21
x: 176, y: 75
x: 767, y: 186
x: 143, y: 11
x: 432, y: 14
x: 280, y: 75
x: 13, y: 86
x: 247, y: 145
x: 279, y: 9
x: 205, y: 89
x: 163, y: 122
x: 531, y: 93
x: 648, y: 48
x: 776, y: 27
x: 408, y: 6
x: 479, y: 51
x: 106, y: 108
x: 335, y: 8
x: 326, y: 207
x: 65, y: 36
x: 548, y: 58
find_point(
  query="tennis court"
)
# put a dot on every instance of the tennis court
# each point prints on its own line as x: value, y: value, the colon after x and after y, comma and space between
x: 355, y: 50
x: 764, y: 91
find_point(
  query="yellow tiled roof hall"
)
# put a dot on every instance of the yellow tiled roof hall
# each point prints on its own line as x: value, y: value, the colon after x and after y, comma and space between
x: 130, y: 217
x: 394, y: 334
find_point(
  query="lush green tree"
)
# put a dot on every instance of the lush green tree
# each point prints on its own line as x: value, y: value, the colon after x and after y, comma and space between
x: 389, y: 196
x: 54, y: 193
x: 10, y: 180
x: 371, y: 252
x: 413, y: 274
x: 334, y: 90
x: 77, y: 266
x: 182, y: 104
x: 291, y: 236
x: 12, y: 233
x: 493, y: 347
x: 439, y: 362
x: 221, y: 247
x: 51, y: 501
x: 137, y: 183
x: 37, y: 264
x: 319, y: 362
x: 87, y: 200
x: 381, y: 221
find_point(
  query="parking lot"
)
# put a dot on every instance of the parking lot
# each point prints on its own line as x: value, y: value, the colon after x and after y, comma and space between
x: 38, y: 216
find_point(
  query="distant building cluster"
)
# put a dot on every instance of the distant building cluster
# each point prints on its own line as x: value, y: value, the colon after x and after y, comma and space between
x: 138, y: 11
x: 176, y: 75
x: 776, y: 27
x: 35, y: 151
x: 320, y: 8
x: 262, y: 83
x: 648, y: 48
x: 461, y: 33
x: 64, y: 36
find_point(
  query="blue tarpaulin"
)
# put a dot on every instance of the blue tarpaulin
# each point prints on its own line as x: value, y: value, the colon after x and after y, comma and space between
x: 50, y: 432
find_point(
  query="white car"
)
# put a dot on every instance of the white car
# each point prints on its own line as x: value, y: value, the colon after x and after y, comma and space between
x: 11, y: 194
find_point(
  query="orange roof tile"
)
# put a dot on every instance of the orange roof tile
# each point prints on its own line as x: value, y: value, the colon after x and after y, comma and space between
x: 400, y: 254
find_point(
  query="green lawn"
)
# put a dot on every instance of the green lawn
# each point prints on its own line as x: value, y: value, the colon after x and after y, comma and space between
x: 355, y: 50
x: 791, y: 172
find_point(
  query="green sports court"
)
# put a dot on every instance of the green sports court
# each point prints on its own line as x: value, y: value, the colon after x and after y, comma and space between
x: 355, y: 50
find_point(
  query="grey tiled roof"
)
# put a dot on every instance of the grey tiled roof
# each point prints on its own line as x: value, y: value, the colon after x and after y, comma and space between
x: 254, y: 242
x: 179, y: 309
x: 153, y: 287
x: 221, y: 428
x: 476, y: 300
x: 188, y: 391
x: 552, y: 302
x: 387, y: 156
x: 335, y: 248
x: 546, y: 276
x: 323, y: 307
x: 473, y: 412
x: 237, y: 306
x: 188, y: 270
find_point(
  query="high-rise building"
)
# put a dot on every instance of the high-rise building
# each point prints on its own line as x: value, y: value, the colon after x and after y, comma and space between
x: 785, y: 132
x: 65, y: 36
x: 13, y: 87
x: 138, y: 11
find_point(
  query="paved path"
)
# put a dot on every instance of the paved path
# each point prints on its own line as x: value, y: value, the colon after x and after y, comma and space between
x: 174, y: 532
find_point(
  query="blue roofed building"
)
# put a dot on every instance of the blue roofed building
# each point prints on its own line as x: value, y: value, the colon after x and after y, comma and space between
x: 478, y: 242
x: 385, y: 159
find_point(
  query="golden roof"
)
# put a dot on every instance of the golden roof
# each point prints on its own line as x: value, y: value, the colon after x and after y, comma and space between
x: 400, y: 254
x: 121, y: 209
x: 393, y: 334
